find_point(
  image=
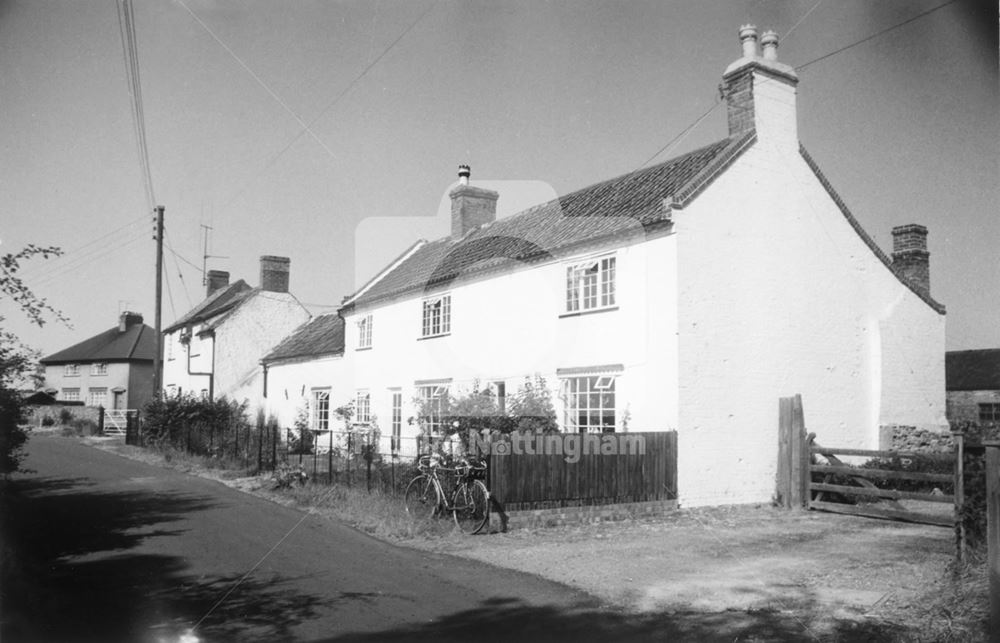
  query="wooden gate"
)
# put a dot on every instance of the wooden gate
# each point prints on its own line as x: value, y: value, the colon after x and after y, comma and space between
x: 887, y: 485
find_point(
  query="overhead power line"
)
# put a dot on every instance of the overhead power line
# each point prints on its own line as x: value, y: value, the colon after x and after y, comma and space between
x: 130, y: 52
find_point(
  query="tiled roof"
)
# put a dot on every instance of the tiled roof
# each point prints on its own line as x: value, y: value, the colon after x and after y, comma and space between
x: 977, y: 370
x: 619, y: 206
x: 322, y: 335
x: 218, y: 302
x: 884, y: 258
x: 137, y: 343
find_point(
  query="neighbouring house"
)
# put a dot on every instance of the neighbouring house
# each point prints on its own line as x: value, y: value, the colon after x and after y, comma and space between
x: 973, y: 383
x: 304, y: 381
x: 113, y: 369
x: 688, y: 296
x: 215, y: 349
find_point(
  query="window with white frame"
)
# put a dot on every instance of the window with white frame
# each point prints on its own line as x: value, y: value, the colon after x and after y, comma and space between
x: 170, y: 346
x: 99, y: 368
x: 436, y: 316
x: 590, y: 285
x: 71, y: 370
x: 365, y: 332
x: 434, y: 406
x: 71, y: 395
x: 97, y: 397
x: 989, y: 412
x: 204, y: 393
x: 499, y: 389
x: 397, y: 421
x: 320, y: 410
x: 590, y: 403
x: 363, y: 407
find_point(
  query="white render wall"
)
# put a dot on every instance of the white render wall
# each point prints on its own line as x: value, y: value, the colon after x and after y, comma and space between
x: 510, y: 327
x: 290, y: 385
x: 779, y: 295
x: 246, y: 334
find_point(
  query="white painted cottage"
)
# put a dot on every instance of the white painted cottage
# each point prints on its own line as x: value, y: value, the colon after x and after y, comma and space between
x: 690, y: 295
x: 304, y: 376
x: 215, y: 349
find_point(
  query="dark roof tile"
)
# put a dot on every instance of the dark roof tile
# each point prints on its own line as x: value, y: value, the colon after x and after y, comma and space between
x: 217, y: 303
x: 976, y: 370
x: 137, y: 343
x: 322, y: 335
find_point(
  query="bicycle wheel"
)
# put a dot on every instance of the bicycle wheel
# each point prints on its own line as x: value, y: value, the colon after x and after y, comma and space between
x: 421, y: 498
x: 472, y: 506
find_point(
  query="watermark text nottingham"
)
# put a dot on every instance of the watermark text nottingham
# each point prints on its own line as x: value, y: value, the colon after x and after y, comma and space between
x: 571, y: 446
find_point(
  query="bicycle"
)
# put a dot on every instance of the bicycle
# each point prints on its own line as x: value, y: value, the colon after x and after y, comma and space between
x: 469, y: 502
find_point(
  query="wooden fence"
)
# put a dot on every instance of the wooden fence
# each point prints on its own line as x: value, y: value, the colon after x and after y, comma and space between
x: 566, y: 470
x: 813, y: 476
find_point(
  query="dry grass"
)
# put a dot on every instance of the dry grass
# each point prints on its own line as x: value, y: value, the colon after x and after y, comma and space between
x: 956, y: 608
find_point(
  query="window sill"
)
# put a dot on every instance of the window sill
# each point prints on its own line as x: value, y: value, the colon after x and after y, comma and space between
x: 420, y: 339
x: 363, y: 348
x: 592, y: 311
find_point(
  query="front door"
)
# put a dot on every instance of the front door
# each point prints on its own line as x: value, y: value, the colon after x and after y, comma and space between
x: 119, y: 400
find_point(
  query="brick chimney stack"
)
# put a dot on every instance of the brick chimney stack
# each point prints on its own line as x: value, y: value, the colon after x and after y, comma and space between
x: 760, y: 91
x: 274, y: 273
x: 471, y: 207
x: 216, y: 279
x: 127, y: 320
x: 910, y: 256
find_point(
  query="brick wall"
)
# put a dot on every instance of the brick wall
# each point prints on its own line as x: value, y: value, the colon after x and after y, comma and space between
x: 739, y: 100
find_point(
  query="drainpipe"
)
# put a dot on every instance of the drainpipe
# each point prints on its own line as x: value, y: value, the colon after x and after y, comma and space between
x: 210, y: 374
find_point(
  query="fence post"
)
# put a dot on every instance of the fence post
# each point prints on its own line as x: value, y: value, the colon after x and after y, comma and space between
x: 993, y: 532
x: 959, y: 494
x: 784, y: 473
x: 329, y: 460
x: 100, y: 420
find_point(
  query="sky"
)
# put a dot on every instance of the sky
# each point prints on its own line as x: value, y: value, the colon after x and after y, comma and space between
x: 330, y: 132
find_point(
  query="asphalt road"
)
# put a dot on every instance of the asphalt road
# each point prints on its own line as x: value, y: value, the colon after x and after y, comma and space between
x: 97, y: 547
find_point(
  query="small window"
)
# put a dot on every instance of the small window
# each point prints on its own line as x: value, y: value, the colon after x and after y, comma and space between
x: 363, y: 408
x: 99, y: 369
x: 434, y: 403
x: 71, y: 370
x: 320, y: 410
x: 97, y: 397
x: 436, y: 316
x: 989, y: 412
x: 590, y: 403
x: 365, y: 332
x: 204, y: 393
x: 590, y: 285
x: 499, y: 389
x: 397, y: 421
x: 71, y: 395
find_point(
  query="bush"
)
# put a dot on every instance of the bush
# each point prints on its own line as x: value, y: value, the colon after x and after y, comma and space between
x: 200, y: 427
x: 48, y: 420
x: 65, y: 416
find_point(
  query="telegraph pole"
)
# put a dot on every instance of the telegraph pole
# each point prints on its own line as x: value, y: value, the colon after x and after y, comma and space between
x: 158, y: 356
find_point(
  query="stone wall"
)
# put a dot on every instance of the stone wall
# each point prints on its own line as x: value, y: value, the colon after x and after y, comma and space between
x: 895, y: 437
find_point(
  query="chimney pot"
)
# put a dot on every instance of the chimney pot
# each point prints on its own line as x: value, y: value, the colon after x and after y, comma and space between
x: 910, y: 256
x: 215, y: 280
x: 464, y: 172
x: 769, y: 43
x: 748, y: 36
x: 274, y: 273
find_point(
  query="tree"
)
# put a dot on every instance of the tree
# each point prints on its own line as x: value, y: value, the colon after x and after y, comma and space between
x: 16, y: 359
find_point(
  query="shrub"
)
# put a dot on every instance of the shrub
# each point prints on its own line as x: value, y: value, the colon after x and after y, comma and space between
x: 198, y: 426
x: 48, y: 420
x: 973, y: 515
x: 65, y: 416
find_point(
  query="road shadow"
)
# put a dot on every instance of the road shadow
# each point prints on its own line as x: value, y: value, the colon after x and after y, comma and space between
x: 69, y: 571
x: 512, y: 619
